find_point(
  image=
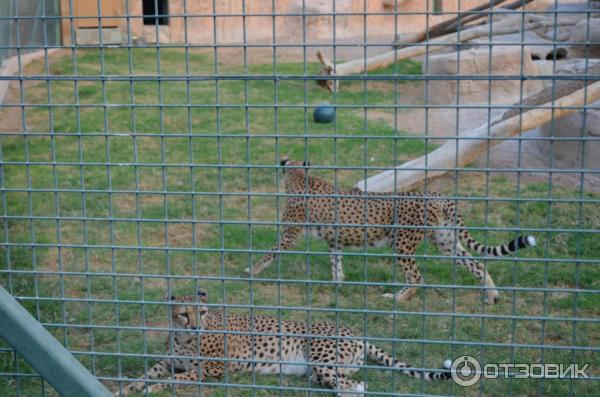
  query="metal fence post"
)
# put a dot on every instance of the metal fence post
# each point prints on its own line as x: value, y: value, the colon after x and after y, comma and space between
x: 53, y: 362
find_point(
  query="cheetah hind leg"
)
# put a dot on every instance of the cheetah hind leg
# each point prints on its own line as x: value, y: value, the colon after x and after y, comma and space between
x: 446, y: 242
x: 346, y: 387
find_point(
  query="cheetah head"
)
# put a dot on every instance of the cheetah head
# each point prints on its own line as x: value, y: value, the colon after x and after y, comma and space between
x: 187, y: 311
x: 297, y: 169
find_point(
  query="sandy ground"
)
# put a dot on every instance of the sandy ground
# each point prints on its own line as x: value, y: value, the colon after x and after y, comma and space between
x: 516, y: 158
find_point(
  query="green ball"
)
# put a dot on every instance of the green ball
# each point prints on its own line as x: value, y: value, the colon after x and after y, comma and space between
x: 324, y: 114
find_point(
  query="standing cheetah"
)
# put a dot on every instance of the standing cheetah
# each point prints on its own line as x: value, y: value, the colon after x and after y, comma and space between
x: 356, y: 219
x: 264, y: 345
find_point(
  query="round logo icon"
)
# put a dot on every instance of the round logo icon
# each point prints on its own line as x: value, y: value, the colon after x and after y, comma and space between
x: 466, y: 371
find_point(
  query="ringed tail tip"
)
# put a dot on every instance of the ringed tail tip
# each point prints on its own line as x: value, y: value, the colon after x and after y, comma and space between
x: 448, y: 363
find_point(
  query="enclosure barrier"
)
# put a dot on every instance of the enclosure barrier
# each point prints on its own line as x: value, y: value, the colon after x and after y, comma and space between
x: 143, y: 149
x: 49, y: 358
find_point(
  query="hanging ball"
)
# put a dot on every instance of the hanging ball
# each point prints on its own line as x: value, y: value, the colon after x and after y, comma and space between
x: 324, y: 113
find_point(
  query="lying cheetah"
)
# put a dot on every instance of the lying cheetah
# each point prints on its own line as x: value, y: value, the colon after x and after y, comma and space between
x: 362, y: 216
x: 293, y: 349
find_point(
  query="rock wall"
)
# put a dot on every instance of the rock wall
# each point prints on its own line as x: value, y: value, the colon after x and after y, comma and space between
x: 316, y: 24
x: 456, y: 68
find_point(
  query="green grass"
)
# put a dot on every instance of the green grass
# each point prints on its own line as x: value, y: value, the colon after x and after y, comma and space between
x: 82, y: 267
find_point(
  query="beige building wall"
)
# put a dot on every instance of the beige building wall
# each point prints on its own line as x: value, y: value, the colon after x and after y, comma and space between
x: 281, y: 28
x: 289, y: 28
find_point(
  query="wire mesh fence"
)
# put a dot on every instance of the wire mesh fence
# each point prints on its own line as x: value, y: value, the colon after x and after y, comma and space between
x: 28, y: 25
x: 143, y: 159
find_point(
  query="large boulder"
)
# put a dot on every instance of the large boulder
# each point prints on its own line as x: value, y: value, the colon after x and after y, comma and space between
x: 574, y: 149
x: 454, y: 70
x: 584, y: 32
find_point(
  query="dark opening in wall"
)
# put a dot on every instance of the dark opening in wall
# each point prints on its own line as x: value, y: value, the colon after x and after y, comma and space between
x: 155, y: 12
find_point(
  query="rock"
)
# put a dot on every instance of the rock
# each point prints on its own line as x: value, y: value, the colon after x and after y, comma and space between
x: 578, y: 126
x: 583, y: 32
x: 576, y: 152
x: 505, y: 61
x: 540, y: 48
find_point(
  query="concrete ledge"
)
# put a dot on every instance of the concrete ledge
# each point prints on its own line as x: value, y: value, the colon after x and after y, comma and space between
x: 10, y: 66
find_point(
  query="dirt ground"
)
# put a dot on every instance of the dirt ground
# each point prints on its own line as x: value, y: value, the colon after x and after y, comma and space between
x: 509, y: 156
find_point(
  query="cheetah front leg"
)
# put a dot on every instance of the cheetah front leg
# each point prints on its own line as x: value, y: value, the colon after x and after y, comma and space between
x: 405, y: 244
x: 188, y: 376
x: 412, y: 275
x: 328, y: 377
x: 288, y: 241
x: 337, y: 273
x: 159, y: 370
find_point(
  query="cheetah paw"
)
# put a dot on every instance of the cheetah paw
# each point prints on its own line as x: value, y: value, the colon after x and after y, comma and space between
x: 492, y: 296
x: 251, y: 271
x: 401, y: 296
x: 356, y: 391
x: 339, y: 277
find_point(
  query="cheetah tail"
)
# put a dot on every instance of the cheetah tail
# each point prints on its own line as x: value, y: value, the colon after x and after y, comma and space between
x: 498, y: 250
x: 483, y: 250
x: 382, y: 358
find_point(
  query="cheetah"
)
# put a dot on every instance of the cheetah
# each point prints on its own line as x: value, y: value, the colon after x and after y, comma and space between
x: 358, y: 219
x: 264, y: 345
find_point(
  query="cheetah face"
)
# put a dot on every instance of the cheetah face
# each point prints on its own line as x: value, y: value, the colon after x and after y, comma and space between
x: 186, y: 313
x: 285, y: 162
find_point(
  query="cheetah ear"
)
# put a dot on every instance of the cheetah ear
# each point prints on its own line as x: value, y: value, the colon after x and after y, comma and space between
x: 172, y: 298
x: 284, y: 161
x: 202, y: 295
x: 306, y: 164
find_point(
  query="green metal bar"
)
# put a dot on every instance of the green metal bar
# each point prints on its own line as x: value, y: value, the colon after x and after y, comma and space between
x: 49, y: 358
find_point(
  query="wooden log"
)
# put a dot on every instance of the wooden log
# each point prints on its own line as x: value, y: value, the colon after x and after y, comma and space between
x: 460, y: 152
x: 505, y: 26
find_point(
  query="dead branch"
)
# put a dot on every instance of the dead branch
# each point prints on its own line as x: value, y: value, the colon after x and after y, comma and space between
x: 463, y: 18
x: 505, y: 26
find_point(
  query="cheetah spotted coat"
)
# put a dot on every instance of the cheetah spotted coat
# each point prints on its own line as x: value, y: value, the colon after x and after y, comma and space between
x: 264, y: 345
x: 401, y: 221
